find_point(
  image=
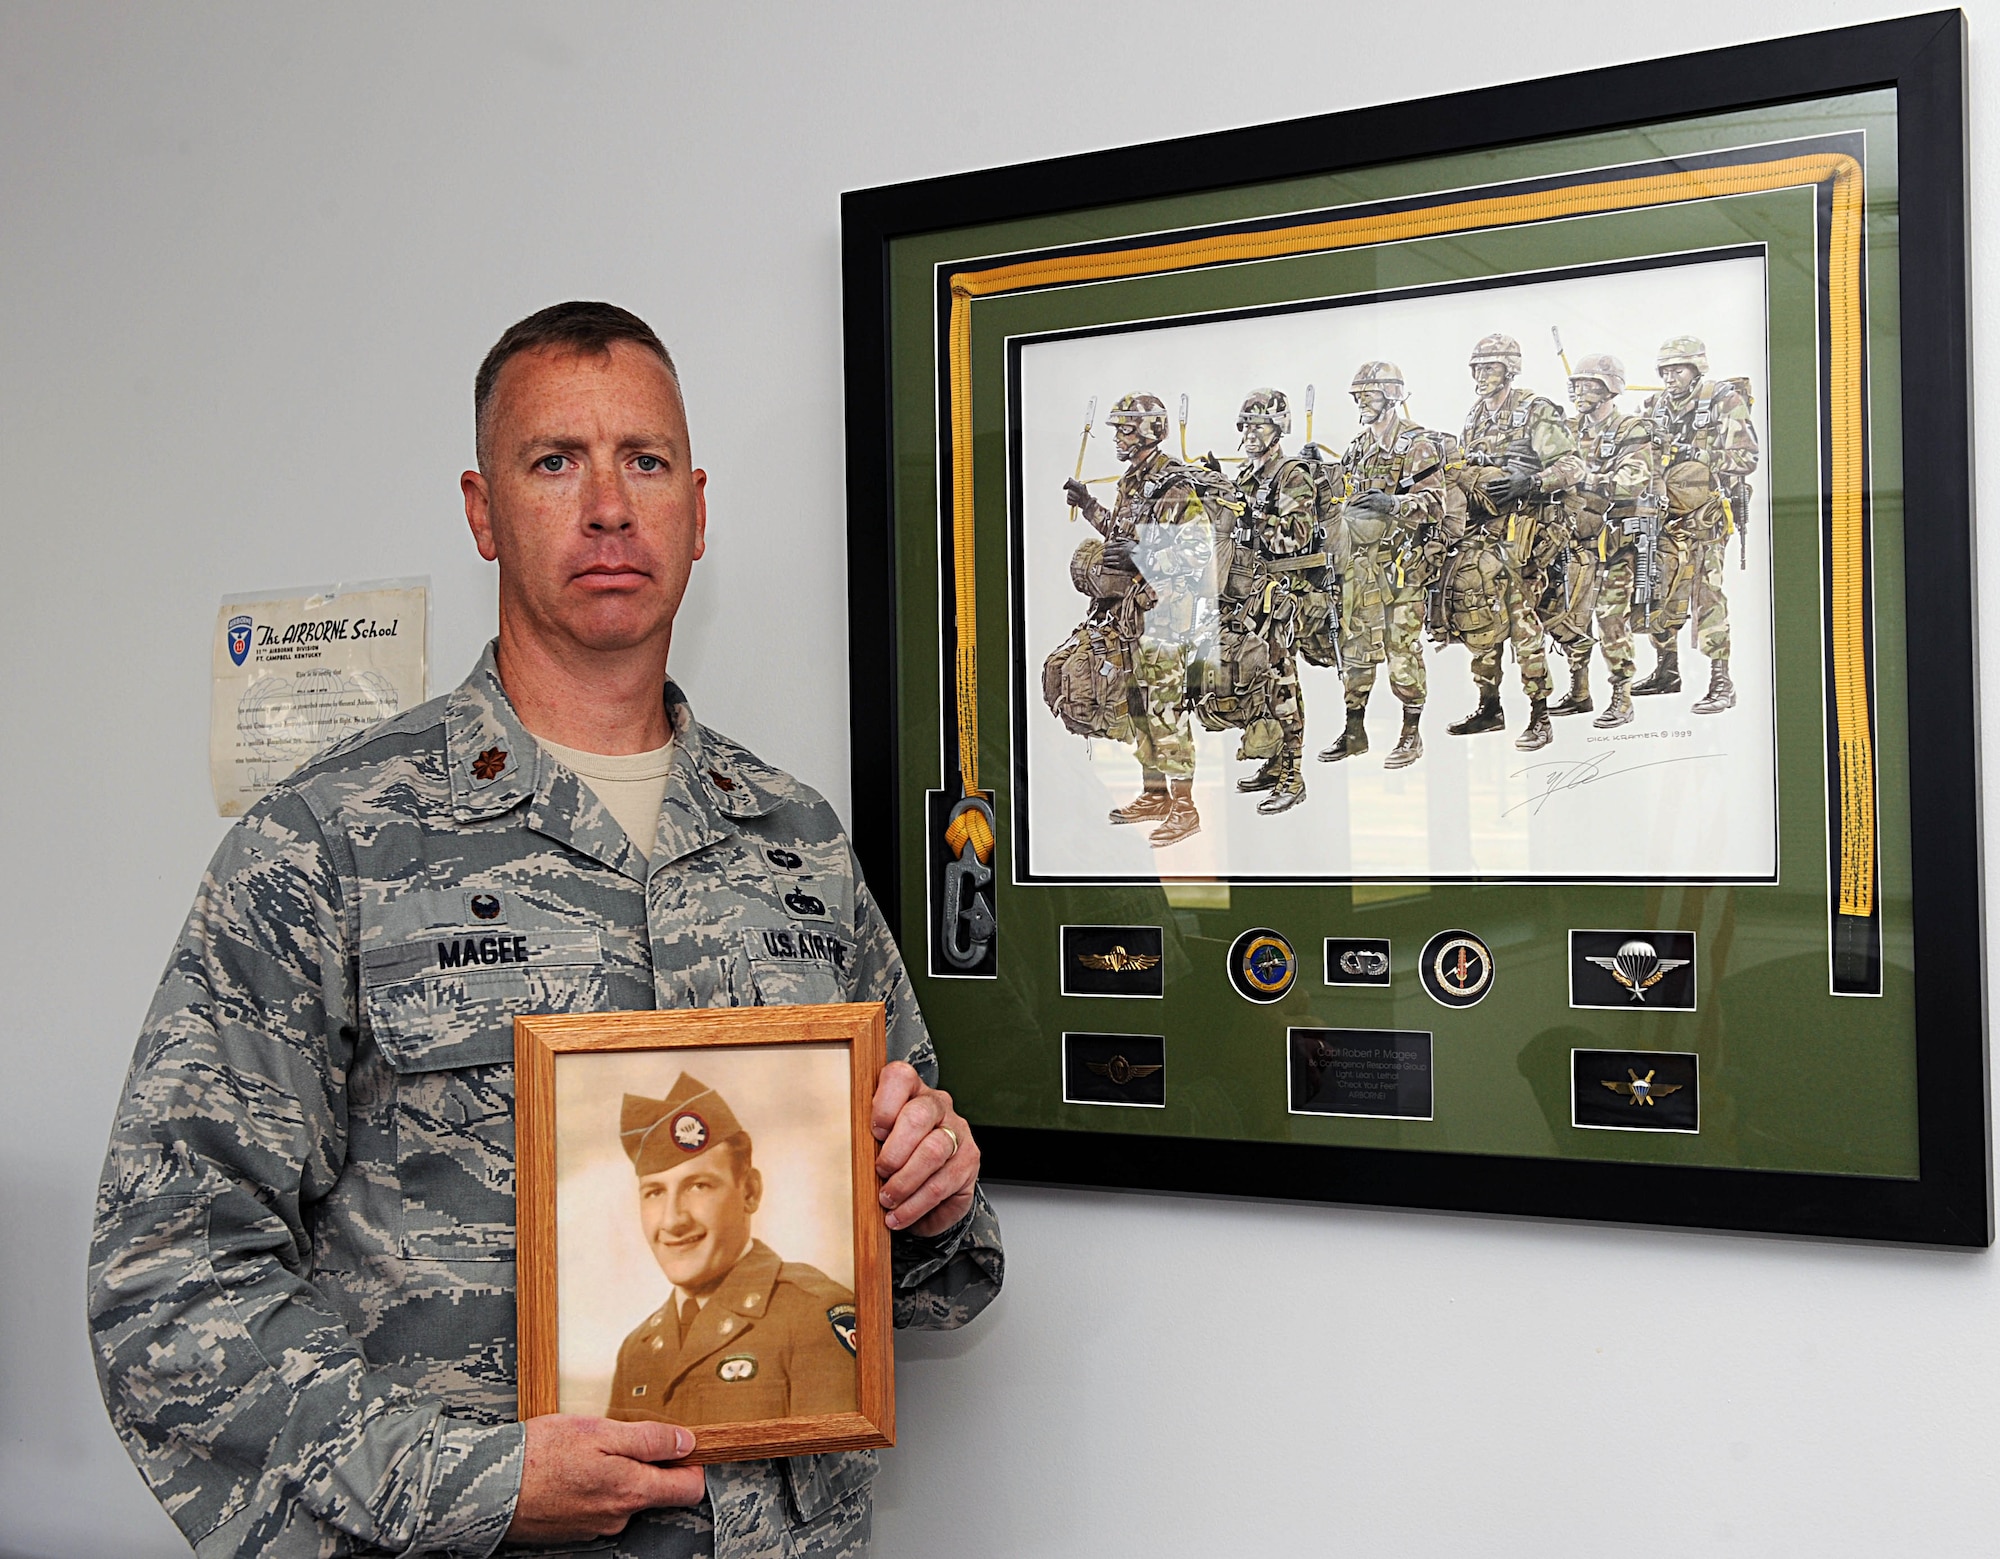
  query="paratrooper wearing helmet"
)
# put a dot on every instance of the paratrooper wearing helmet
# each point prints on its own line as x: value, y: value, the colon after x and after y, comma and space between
x: 1254, y: 687
x: 1160, y: 532
x: 1401, y: 508
x: 1615, y: 514
x: 1519, y: 459
x: 1707, y: 453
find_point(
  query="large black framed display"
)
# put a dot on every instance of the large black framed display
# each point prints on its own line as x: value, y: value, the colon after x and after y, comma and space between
x: 1424, y: 656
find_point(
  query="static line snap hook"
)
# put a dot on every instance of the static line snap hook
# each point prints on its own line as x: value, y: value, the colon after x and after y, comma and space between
x: 966, y: 920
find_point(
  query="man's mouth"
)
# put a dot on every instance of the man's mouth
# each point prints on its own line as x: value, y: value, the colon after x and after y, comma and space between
x: 680, y: 1242
x: 612, y: 576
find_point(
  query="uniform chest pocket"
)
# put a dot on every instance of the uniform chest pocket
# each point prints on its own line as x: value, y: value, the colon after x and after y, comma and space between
x: 442, y: 1012
x: 799, y: 965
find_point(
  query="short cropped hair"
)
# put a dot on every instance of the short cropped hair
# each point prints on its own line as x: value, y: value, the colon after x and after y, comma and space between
x: 570, y: 327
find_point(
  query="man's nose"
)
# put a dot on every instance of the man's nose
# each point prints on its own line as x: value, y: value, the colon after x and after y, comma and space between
x: 606, y: 504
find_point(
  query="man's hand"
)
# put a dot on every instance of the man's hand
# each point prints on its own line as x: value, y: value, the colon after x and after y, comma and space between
x: 1077, y: 493
x: 587, y: 1477
x: 926, y: 1181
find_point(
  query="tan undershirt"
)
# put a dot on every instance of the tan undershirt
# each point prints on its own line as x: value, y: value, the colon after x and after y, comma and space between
x: 631, y: 786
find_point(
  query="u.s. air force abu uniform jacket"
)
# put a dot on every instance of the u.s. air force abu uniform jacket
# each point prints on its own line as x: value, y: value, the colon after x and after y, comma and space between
x: 302, y: 1276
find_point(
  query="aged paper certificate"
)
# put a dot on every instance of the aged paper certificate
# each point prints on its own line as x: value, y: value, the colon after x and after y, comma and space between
x: 295, y: 673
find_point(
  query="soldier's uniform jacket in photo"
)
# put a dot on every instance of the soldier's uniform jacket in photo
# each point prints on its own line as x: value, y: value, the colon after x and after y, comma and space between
x: 1385, y: 558
x: 1620, y: 491
x: 772, y: 1342
x: 1153, y: 483
x: 1272, y: 543
x: 1525, y: 430
x: 1709, y: 426
x: 1183, y: 521
x: 302, y: 1276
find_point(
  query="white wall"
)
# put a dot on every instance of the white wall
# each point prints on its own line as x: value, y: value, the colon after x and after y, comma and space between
x: 249, y: 257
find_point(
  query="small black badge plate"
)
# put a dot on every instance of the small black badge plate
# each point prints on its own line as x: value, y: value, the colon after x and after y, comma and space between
x: 1637, y: 971
x: 1635, y: 1090
x: 1113, y: 961
x: 1384, y: 1072
x: 1357, y: 960
x: 1115, y: 1069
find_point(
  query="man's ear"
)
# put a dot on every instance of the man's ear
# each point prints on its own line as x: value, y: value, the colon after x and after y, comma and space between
x: 479, y: 513
x: 753, y: 1190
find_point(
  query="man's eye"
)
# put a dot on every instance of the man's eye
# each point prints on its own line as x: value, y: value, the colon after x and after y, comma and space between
x: 550, y: 463
x: 650, y: 463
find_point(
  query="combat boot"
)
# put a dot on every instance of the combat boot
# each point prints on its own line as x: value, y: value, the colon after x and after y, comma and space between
x: 1149, y: 805
x: 1619, y: 710
x: 1577, y: 700
x: 1487, y: 717
x: 1265, y: 778
x: 1353, y: 741
x: 1290, y: 790
x: 1666, y: 673
x: 1410, y: 745
x: 1180, y: 819
x: 1538, y: 733
x: 1721, y: 692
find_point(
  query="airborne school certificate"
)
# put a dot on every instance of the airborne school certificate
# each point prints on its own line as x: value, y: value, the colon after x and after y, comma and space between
x: 295, y: 673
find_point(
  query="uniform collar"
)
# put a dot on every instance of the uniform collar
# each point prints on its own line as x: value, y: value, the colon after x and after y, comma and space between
x: 495, y: 765
x: 743, y: 1299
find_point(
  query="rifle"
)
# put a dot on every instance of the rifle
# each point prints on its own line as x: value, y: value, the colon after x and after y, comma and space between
x: 1645, y: 581
x: 1738, y: 493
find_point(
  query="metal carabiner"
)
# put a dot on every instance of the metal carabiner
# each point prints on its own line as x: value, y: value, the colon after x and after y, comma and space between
x: 967, y: 918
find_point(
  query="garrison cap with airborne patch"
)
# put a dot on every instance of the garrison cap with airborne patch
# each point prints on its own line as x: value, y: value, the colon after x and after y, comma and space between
x: 661, y: 1133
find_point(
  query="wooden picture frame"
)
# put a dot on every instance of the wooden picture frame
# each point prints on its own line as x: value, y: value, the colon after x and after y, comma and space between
x: 1837, y: 1005
x: 727, y: 1038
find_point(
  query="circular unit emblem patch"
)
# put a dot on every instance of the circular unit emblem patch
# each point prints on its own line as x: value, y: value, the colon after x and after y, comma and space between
x: 1456, y: 968
x: 1262, y: 965
x: 690, y: 1132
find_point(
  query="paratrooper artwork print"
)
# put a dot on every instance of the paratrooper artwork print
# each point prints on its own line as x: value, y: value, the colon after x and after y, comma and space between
x: 1466, y: 584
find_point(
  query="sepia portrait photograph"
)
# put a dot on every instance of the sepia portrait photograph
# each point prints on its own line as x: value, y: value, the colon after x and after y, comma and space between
x: 706, y: 1229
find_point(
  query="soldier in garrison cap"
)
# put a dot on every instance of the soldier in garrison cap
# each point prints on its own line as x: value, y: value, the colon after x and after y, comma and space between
x: 745, y: 1336
x: 1519, y: 459
x: 1615, y: 514
x: 1400, y: 509
x: 303, y: 1307
x: 1162, y: 527
x: 1271, y: 555
x: 1707, y: 452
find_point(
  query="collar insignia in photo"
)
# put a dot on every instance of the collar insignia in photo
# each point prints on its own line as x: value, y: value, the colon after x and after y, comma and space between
x: 660, y: 1133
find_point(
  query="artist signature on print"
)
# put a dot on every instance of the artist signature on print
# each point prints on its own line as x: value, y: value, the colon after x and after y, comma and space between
x: 1559, y: 778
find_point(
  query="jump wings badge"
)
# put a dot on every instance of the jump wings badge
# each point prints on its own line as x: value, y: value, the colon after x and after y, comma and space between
x: 1642, y: 1090
x: 1119, y: 1070
x: 1638, y: 968
x: 1118, y: 960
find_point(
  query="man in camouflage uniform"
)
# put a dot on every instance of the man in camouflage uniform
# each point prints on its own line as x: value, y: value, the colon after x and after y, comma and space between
x: 1270, y: 556
x: 302, y: 1276
x: 1160, y: 527
x: 1519, y: 460
x: 1390, y: 543
x: 1707, y: 452
x: 1615, y: 513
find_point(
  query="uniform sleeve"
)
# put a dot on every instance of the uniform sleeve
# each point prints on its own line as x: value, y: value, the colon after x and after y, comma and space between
x: 1736, y: 447
x: 236, y: 1387
x: 1288, y: 532
x: 942, y: 1281
x: 1555, y: 447
x: 1424, y: 503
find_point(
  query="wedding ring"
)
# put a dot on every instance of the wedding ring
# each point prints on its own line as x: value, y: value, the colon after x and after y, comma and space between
x: 954, y: 1141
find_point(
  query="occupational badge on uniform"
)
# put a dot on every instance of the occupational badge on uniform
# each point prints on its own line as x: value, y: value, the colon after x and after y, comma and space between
x: 1113, y: 961
x: 841, y: 1319
x: 1262, y: 965
x: 1635, y: 1090
x: 1456, y: 968
x: 489, y: 764
x: 689, y: 1131
x: 805, y: 905
x: 1380, y: 1072
x: 784, y: 860
x: 1357, y: 960
x: 483, y: 906
x: 1632, y: 970
x: 1115, y: 1069
x: 739, y: 1366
